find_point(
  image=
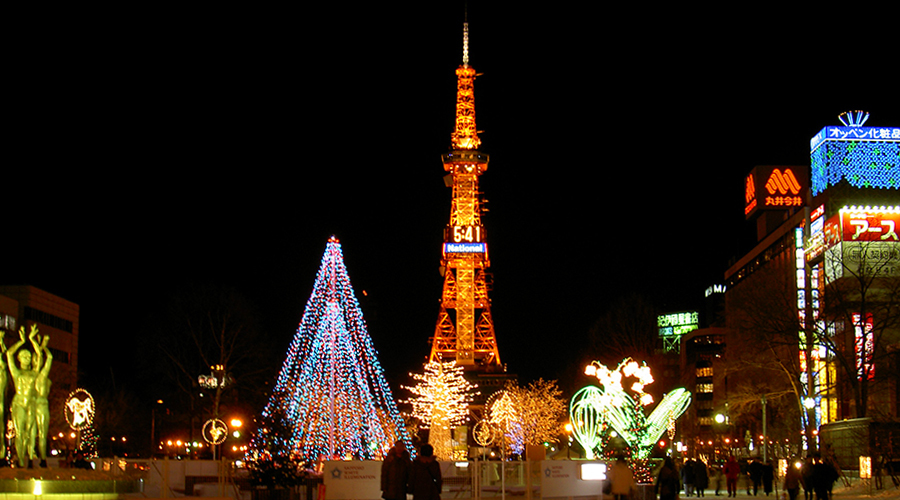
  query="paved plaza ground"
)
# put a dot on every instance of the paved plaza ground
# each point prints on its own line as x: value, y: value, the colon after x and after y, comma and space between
x: 856, y: 491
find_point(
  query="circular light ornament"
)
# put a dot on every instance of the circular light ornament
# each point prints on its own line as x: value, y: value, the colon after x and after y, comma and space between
x: 79, y: 409
x: 484, y: 433
x: 215, y: 431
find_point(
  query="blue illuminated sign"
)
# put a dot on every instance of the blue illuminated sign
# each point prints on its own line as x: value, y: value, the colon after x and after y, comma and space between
x: 865, y: 157
x: 465, y: 247
x: 854, y: 134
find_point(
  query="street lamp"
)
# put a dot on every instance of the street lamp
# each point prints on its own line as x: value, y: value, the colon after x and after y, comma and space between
x: 764, y: 437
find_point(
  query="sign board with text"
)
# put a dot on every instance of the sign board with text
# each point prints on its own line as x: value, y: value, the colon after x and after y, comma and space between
x: 354, y: 479
x: 775, y: 188
x: 563, y: 478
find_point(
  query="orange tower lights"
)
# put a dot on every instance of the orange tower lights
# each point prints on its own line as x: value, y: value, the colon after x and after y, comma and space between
x: 465, y: 329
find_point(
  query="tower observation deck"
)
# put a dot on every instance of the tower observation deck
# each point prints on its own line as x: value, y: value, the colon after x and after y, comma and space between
x: 465, y: 328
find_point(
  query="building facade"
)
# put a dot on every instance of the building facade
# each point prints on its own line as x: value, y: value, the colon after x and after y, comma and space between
x: 25, y: 305
x: 813, y: 310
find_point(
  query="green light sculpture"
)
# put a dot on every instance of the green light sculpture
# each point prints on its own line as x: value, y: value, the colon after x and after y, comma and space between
x: 623, y: 410
x: 585, y: 411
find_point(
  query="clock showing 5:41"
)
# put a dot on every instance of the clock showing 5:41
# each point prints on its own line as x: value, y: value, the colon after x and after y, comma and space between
x: 467, y: 234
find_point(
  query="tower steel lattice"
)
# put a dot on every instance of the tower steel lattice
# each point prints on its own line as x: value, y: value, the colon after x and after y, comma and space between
x: 465, y: 328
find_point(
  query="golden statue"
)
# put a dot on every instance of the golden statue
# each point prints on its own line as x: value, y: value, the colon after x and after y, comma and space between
x: 3, y: 379
x: 41, y: 404
x: 22, y: 408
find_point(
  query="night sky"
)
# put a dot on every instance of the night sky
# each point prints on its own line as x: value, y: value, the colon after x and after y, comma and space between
x: 227, y: 148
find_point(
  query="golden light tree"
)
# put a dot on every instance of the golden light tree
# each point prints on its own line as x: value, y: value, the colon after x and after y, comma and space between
x: 441, y: 402
x: 541, y: 407
x: 527, y: 415
x: 503, y: 415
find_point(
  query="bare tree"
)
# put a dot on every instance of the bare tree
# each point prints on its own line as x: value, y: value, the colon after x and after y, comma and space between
x: 628, y: 329
x: 860, y: 320
x: 211, y: 334
x: 768, y: 341
x: 836, y: 337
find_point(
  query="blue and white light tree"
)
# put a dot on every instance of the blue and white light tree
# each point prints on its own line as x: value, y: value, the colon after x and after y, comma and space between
x: 331, y: 398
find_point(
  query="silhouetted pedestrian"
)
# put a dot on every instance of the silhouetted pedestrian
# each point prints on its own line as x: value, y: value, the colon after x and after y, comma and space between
x: 731, y: 470
x: 701, y: 477
x: 756, y: 472
x: 806, y: 478
x: 792, y: 479
x: 687, y: 477
x: 395, y: 473
x: 768, y: 477
x: 425, y: 475
x: 823, y: 477
x: 667, y: 483
x: 622, y: 479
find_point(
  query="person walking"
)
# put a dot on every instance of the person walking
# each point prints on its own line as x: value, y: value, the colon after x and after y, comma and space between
x: 823, y: 477
x: 701, y: 477
x: 425, y: 475
x: 731, y: 471
x: 792, y: 479
x: 715, y: 470
x: 622, y: 479
x: 687, y: 477
x: 395, y: 472
x: 768, y: 477
x: 756, y: 472
x: 667, y: 483
x: 806, y: 478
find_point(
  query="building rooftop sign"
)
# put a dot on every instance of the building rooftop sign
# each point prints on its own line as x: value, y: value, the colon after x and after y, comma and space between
x: 865, y: 157
x: 673, y: 326
x: 775, y: 188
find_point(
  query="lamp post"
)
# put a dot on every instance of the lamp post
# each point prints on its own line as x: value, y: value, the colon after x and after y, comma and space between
x: 765, y: 440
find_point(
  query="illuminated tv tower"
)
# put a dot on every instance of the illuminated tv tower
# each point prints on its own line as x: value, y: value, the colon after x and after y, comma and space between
x: 465, y: 329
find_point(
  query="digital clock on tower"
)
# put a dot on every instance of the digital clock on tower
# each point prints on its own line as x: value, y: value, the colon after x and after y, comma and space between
x: 466, y: 234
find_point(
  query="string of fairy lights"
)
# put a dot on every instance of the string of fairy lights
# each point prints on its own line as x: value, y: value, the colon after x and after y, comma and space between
x: 331, y: 393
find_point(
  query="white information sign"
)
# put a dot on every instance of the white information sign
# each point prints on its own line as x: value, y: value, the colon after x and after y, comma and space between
x: 562, y: 478
x: 352, y: 480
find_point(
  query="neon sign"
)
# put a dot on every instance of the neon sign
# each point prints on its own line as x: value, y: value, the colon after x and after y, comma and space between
x: 677, y: 323
x: 870, y: 224
x: 774, y: 188
x: 865, y: 345
x: 673, y: 326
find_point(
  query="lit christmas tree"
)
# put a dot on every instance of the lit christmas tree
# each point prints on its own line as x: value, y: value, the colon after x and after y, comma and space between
x: 441, y: 402
x: 88, y: 441
x: 331, y: 397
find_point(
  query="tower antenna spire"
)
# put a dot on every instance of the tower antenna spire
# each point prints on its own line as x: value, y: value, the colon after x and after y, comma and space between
x: 466, y: 43
x: 465, y: 135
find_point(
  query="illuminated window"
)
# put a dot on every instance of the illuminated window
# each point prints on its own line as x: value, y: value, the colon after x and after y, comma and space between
x: 704, y: 372
x: 704, y: 387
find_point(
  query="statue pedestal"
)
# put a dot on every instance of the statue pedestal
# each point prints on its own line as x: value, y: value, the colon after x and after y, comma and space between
x: 64, y: 484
